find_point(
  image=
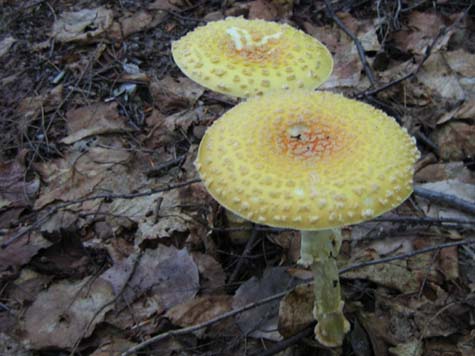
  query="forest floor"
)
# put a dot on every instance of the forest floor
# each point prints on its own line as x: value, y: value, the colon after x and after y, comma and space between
x: 109, y: 240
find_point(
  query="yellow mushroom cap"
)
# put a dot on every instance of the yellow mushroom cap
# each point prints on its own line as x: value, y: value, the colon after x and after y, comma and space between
x: 245, y: 58
x: 307, y: 160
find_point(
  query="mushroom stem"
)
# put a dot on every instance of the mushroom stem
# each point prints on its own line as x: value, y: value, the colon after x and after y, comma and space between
x: 319, y: 250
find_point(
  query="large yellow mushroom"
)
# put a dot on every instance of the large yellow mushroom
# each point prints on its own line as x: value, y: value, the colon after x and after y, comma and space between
x: 245, y: 58
x: 312, y: 161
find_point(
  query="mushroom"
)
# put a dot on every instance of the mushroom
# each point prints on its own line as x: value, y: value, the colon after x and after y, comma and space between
x: 245, y: 58
x: 313, y: 161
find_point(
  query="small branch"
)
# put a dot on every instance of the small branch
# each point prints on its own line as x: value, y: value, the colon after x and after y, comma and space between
x: 359, y: 46
x: 243, y: 257
x: 427, y: 53
x: 119, y: 294
x: 407, y: 255
x: 107, y: 197
x: 205, y: 324
x: 274, y: 297
x: 446, y: 199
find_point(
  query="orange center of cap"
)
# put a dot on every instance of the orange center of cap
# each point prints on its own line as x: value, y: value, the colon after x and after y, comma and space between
x: 310, y: 140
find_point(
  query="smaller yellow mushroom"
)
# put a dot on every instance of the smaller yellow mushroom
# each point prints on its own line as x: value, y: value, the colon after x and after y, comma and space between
x: 312, y: 161
x: 246, y: 58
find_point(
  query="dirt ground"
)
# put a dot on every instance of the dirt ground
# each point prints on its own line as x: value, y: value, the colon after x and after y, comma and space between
x: 110, y: 242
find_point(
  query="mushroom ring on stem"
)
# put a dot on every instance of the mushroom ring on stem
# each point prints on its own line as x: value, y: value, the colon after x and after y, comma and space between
x: 313, y: 161
x: 246, y: 58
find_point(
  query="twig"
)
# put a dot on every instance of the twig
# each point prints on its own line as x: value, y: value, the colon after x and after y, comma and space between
x: 407, y: 255
x: 274, y: 297
x: 284, y: 344
x: 159, y: 170
x: 107, y: 197
x: 359, y: 46
x: 118, y: 295
x: 242, y: 258
x: 446, y: 199
x: 427, y: 53
x: 191, y: 329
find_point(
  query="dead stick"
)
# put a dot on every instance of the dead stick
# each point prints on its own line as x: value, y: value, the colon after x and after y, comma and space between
x: 359, y: 46
x: 108, y: 197
x: 191, y: 329
x: 242, y: 258
x: 446, y: 199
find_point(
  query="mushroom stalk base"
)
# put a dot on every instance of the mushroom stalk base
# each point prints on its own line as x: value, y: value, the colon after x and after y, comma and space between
x: 319, y: 250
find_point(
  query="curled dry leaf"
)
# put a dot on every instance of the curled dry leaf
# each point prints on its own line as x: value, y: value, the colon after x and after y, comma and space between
x: 92, y: 120
x: 85, y: 25
x: 169, y: 274
x: 67, y: 312
x: 296, y: 310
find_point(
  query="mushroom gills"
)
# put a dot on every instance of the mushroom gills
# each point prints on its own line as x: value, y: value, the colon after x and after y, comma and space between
x: 319, y: 250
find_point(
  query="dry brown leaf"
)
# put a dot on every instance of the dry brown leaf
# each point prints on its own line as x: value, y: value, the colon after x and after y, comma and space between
x: 449, y: 263
x: 171, y: 93
x: 10, y: 346
x: 422, y: 27
x: 33, y: 106
x: 444, y: 171
x: 96, y: 119
x: 456, y: 141
x: 290, y: 243
x: 6, y: 44
x: 162, y: 5
x: 199, y: 310
x: 395, y: 275
x: 409, y: 348
x: 26, y: 287
x: 131, y: 23
x: 263, y: 9
x: 212, y: 276
x: 436, y: 75
x: 19, y: 252
x: 170, y: 275
x: 62, y: 315
x: 16, y: 190
x: 296, y: 310
x: 466, y: 110
x: 461, y: 62
x: 85, y: 25
x: 79, y: 174
x: 262, y: 321
x: 113, y: 346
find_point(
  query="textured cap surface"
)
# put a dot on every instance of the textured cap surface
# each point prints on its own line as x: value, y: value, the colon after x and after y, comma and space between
x: 249, y: 57
x: 307, y: 160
